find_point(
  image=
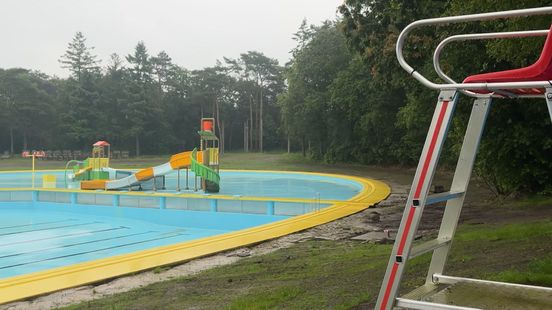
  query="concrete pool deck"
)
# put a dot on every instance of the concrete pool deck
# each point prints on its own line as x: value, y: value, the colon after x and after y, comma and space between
x: 32, y: 284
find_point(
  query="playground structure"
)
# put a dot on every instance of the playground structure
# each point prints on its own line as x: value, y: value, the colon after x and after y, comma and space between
x: 95, y: 167
x: 94, y: 173
x: 534, y: 81
x: 209, y: 148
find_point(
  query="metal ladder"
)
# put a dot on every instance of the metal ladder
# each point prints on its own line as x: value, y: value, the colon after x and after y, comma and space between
x: 418, y: 197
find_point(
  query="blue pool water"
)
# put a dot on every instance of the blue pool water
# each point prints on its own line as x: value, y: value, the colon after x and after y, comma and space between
x: 261, y: 184
x: 43, y: 236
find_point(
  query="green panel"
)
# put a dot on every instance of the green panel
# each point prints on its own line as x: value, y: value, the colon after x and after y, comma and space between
x: 207, y: 135
x: 99, y: 175
x: 83, y: 176
x: 205, y: 172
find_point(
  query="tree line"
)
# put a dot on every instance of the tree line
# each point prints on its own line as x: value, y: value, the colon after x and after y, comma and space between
x: 141, y: 102
x: 348, y: 100
x: 341, y: 98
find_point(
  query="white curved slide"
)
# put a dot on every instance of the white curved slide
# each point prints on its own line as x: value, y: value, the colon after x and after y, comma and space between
x: 177, y: 161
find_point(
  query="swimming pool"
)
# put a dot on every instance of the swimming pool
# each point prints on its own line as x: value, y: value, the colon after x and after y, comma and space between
x: 43, y: 236
x: 54, y: 238
x: 244, y: 183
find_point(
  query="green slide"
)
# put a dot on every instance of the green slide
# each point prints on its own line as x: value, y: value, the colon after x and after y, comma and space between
x: 212, y: 178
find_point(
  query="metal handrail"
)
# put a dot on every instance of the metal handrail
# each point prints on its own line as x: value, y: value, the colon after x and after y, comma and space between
x: 467, y: 18
x: 482, y: 36
x: 67, y: 166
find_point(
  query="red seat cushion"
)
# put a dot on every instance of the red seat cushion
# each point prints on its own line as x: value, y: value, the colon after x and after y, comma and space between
x: 539, y: 71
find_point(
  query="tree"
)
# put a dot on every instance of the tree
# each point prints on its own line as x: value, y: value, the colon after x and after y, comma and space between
x: 515, y: 142
x: 263, y: 73
x: 307, y: 113
x: 211, y: 86
x: 141, y: 66
x: 161, y: 67
x: 115, y: 65
x: 78, y: 57
x: 142, y: 114
x: 27, y: 106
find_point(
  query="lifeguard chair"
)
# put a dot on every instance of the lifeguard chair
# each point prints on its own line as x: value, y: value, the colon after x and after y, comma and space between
x: 534, y: 81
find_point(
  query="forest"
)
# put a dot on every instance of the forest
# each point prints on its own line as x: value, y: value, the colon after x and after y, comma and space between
x: 342, y: 97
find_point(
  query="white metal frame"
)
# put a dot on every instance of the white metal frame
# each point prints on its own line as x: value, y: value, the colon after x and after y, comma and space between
x: 418, y: 197
x: 467, y: 18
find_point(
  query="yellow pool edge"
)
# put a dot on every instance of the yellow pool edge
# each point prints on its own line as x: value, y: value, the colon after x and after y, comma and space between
x: 42, y: 282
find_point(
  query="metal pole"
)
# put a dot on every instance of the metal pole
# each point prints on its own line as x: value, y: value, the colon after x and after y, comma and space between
x: 33, y: 160
x: 187, y: 187
x: 548, y: 96
x: 178, y: 180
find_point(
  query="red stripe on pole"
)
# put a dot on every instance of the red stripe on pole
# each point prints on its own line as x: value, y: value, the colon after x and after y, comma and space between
x: 406, y: 229
x: 423, y: 175
x: 389, y: 286
x: 412, y: 210
x: 431, y: 149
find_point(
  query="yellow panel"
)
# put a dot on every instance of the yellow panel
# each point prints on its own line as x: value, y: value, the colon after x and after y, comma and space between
x: 93, y: 163
x: 181, y: 160
x: 24, y: 286
x: 103, y: 162
x: 49, y: 181
x: 98, y: 162
x: 213, y: 156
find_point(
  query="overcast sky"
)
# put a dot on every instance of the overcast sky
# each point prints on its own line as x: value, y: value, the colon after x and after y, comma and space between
x: 35, y: 33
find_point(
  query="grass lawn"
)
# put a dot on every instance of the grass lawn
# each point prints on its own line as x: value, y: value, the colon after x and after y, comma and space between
x: 341, y: 274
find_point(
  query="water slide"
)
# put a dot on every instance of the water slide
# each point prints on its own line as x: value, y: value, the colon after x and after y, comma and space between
x: 82, y: 171
x: 182, y: 160
x: 211, y: 177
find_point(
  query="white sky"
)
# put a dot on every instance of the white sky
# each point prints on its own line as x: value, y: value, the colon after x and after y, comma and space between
x: 35, y: 33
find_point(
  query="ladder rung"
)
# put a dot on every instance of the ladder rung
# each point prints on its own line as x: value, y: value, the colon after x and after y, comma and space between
x: 436, y: 198
x: 450, y: 280
x: 427, y: 246
x: 425, y: 305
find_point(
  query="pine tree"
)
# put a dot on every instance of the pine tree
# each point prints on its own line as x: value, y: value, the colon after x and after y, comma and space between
x: 141, y: 66
x: 161, y: 65
x: 78, y: 57
x: 141, y: 115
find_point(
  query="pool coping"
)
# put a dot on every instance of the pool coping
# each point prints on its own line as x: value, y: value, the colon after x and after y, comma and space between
x: 46, y: 281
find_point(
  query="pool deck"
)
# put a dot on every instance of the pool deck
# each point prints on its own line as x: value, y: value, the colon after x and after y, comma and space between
x: 32, y: 284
